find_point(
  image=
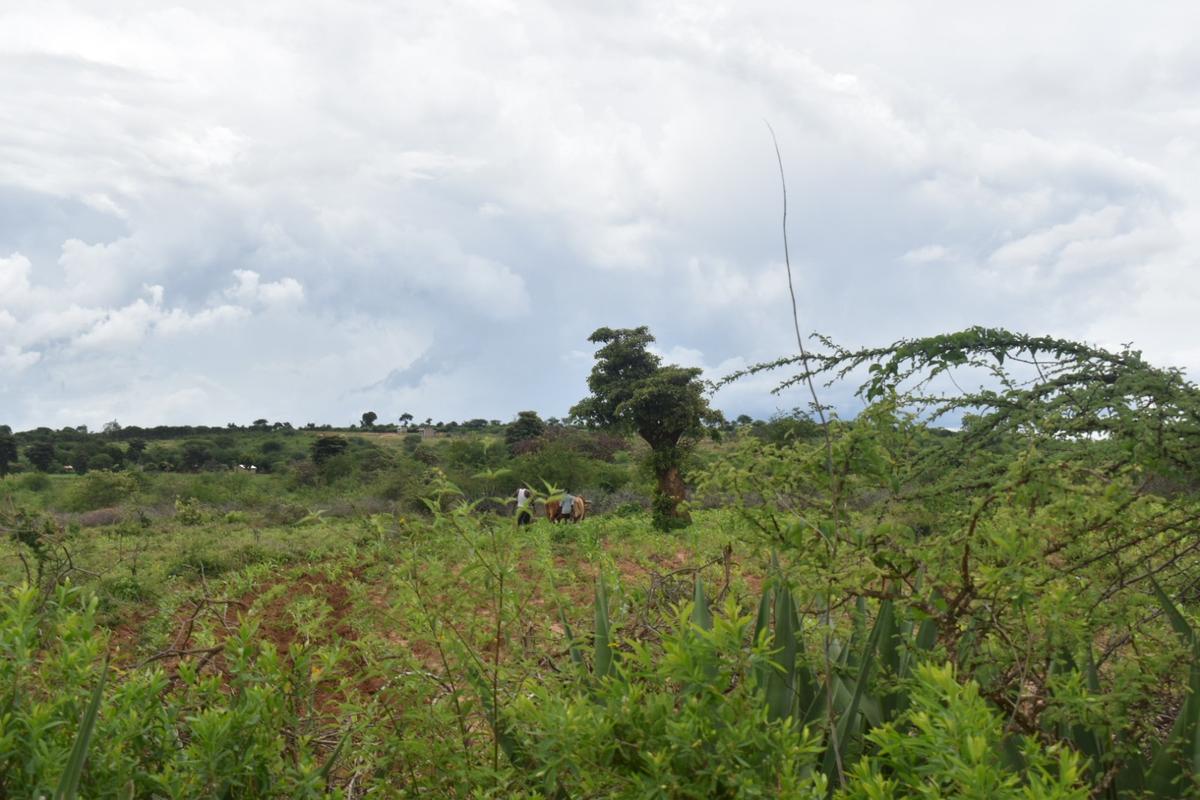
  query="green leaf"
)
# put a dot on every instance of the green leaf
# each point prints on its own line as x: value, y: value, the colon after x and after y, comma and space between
x: 762, y: 623
x: 701, y: 614
x: 602, y: 661
x: 889, y: 657
x: 68, y: 784
x: 572, y: 644
x: 782, y: 683
x: 1177, y: 620
x: 848, y: 720
x: 1183, y: 742
x: 507, y: 741
x: 327, y: 769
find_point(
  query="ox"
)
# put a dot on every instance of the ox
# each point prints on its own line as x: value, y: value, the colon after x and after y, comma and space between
x: 555, y: 513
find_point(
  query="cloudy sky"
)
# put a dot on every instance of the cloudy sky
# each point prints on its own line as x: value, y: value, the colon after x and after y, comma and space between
x: 213, y: 212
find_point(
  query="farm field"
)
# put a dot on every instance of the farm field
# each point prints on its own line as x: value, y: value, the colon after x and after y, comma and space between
x: 369, y: 626
x: 866, y: 608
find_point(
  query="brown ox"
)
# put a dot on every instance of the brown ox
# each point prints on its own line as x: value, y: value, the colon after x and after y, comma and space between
x: 554, y: 510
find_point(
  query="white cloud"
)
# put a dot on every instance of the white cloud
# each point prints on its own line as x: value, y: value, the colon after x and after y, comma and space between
x: 927, y: 254
x: 14, y: 280
x: 101, y: 273
x: 120, y: 327
x: 178, y: 321
x: 398, y: 197
x: 14, y: 360
x: 128, y: 325
x: 273, y: 294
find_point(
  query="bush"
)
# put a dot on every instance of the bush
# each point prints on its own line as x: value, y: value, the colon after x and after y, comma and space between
x: 188, y: 511
x: 949, y: 744
x: 335, y: 468
x: 126, y: 588
x: 327, y: 447
x: 426, y: 455
x: 247, y: 555
x: 405, y: 482
x: 629, y: 510
x: 686, y: 722
x: 152, y: 737
x: 304, y: 475
x: 282, y: 513
x: 561, y: 465
x: 99, y: 489
x: 197, y: 563
x: 35, y: 482
x: 100, y: 517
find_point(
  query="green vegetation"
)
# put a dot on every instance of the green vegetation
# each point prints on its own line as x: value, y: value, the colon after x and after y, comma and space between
x: 876, y: 608
x: 665, y: 405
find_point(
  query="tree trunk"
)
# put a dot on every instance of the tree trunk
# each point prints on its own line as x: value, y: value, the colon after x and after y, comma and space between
x: 670, y: 484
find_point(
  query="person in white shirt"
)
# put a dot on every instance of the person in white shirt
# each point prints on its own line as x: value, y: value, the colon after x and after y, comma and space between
x: 524, y: 506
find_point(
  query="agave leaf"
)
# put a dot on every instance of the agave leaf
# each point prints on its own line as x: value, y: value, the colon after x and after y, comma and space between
x: 508, y: 743
x: 327, y: 769
x: 702, y: 618
x: 924, y: 641
x: 926, y: 636
x: 602, y: 661
x: 1092, y: 674
x: 806, y: 686
x: 1085, y: 739
x: 889, y: 662
x: 1178, y: 622
x: 1011, y: 755
x: 781, y: 684
x: 762, y: 623
x: 1130, y: 780
x: 68, y: 784
x: 814, y: 712
x: 572, y: 643
x: 858, y: 633
x: 701, y: 614
x: 1166, y: 768
x: 848, y: 721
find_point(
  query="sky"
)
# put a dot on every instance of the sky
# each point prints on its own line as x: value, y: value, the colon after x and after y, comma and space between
x: 215, y: 212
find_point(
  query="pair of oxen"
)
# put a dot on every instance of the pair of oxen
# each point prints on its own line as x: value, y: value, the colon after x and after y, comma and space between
x: 555, y: 512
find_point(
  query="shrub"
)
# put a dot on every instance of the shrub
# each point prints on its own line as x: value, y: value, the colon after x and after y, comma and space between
x: 188, y: 511
x: 629, y: 510
x: 98, y: 489
x: 304, y: 475
x: 125, y: 587
x: 35, y: 482
x: 426, y: 455
x: 334, y: 468
x: 197, y: 563
x: 283, y: 513
x: 151, y: 737
x: 949, y: 744
x: 327, y: 447
x: 686, y: 722
x: 100, y: 517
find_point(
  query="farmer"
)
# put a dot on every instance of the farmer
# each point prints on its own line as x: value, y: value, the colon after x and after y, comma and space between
x: 524, y: 507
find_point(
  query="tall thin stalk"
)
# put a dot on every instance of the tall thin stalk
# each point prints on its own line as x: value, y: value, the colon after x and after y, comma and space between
x: 834, y: 491
x: 496, y: 658
x: 787, y: 261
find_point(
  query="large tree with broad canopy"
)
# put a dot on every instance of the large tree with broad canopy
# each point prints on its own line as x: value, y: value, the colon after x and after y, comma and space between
x: 664, y: 404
